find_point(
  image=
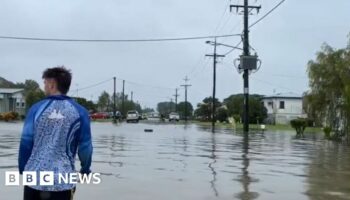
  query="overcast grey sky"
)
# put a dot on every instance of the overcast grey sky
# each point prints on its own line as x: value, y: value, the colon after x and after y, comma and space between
x: 285, y: 41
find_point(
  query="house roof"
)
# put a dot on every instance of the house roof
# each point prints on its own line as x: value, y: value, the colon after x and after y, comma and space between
x: 10, y: 90
x: 289, y: 95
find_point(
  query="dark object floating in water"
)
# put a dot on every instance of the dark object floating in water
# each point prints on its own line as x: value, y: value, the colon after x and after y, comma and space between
x: 148, y: 130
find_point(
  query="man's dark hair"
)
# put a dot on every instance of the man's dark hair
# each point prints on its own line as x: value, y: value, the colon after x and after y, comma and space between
x: 61, y: 75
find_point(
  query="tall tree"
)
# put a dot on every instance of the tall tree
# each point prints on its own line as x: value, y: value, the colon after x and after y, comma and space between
x: 147, y: 110
x: 164, y: 108
x: 103, y: 102
x: 204, y: 110
x: 89, y: 105
x: 32, y: 92
x: 257, y: 111
x: 181, y: 108
x: 328, y: 101
x: 32, y: 97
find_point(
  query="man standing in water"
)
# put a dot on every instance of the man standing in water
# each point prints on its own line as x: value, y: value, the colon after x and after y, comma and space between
x: 55, y: 129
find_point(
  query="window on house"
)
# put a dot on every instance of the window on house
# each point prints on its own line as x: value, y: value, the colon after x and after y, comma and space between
x: 281, y: 104
x: 22, y: 104
x: 17, y: 104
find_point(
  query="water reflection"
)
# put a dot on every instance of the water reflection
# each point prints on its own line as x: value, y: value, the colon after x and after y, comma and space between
x: 191, y: 162
x: 245, y: 179
x: 211, y: 164
x: 329, y: 172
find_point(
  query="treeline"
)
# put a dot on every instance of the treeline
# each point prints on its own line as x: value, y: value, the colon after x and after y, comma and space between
x: 105, y: 103
x: 231, y: 106
x: 33, y: 94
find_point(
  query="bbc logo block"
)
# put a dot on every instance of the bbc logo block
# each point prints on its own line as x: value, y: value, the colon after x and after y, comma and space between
x: 12, y: 178
x: 47, y: 178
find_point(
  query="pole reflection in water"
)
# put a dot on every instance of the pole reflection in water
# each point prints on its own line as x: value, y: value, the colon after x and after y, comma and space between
x: 245, y: 179
x: 213, y: 157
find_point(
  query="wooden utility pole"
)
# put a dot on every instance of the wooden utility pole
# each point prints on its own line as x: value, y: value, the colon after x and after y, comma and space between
x: 215, y: 56
x: 114, y: 105
x: 186, y: 86
x: 176, y: 95
x: 247, y: 61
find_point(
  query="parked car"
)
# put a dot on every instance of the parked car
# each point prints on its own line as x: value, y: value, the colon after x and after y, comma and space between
x: 153, y: 117
x: 173, y: 116
x: 99, y: 115
x: 132, y: 116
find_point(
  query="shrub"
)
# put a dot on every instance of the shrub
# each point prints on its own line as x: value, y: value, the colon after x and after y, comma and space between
x: 299, y: 125
x: 327, y: 132
x: 222, y: 115
x: 15, y: 115
x: 9, y: 116
x: 237, y: 118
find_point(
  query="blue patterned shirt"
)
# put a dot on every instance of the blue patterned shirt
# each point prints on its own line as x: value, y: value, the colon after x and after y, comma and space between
x: 55, y: 129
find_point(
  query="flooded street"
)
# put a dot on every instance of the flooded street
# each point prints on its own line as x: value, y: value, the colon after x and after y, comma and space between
x: 189, y: 162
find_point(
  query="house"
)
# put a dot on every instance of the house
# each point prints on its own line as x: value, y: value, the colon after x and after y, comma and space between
x: 12, y: 100
x: 282, y: 108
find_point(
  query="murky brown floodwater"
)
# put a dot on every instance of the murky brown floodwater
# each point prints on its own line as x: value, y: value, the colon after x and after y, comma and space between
x: 189, y: 162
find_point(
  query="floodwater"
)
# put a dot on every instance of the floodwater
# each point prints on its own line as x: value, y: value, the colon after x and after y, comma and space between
x: 189, y: 162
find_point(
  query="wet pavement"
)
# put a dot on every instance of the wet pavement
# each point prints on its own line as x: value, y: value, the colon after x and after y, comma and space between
x: 189, y: 162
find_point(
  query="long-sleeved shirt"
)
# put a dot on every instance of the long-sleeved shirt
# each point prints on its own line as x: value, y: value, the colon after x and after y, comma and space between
x: 55, y: 129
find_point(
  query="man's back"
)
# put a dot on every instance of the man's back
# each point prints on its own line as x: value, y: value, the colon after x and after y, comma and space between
x: 54, y: 130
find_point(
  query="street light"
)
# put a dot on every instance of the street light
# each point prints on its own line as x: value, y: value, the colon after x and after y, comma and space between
x: 215, y: 56
x: 221, y: 44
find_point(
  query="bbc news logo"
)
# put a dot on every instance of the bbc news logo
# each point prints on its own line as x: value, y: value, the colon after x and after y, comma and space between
x: 47, y: 178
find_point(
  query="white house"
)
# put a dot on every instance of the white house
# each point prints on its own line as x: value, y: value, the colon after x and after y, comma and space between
x: 12, y: 100
x: 282, y: 108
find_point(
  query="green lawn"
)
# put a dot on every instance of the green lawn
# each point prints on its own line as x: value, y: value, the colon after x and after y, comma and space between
x: 277, y: 127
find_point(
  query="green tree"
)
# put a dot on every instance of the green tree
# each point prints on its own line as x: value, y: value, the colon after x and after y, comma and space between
x: 164, y: 108
x: 32, y: 97
x: 257, y: 111
x: 130, y: 105
x: 204, y: 110
x: 328, y: 101
x: 30, y: 85
x: 147, y: 110
x: 181, y: 108
x: 103, y: 102
x: 222, y: 114
x: 89, y: 105
x: 32, y: 92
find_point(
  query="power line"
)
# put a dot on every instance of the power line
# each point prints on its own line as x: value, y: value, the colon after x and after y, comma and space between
x: 145, y: 85
x: 236, y: 46
x: 94, y: 85
x: 116, y: 40
x: 274, y: 8
x: 216, y: 30
x: 221, y: 18
x: 275, y: 85
x: 257, y: 21
x: 204, y: 65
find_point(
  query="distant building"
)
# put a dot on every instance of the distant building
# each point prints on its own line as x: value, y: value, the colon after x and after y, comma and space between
x: 12, y: 100
x: 282, y: 108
